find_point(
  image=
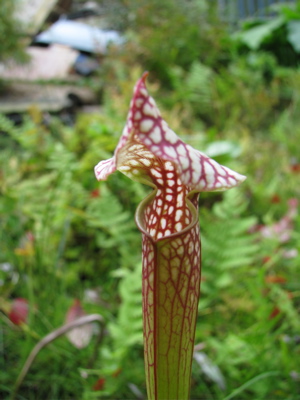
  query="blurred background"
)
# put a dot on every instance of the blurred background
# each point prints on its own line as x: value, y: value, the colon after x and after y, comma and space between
x: 226, y: 77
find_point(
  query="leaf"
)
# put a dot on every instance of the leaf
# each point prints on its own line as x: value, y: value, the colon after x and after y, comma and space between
x: 107, y: 211
x: 254, y: 37
x: 209, y: 369
x: 197, y: 88
x: 128, y: 328
x: 226, y: 241
x: 223, y: 147
x: 80, y: 337
x: 294, y: 34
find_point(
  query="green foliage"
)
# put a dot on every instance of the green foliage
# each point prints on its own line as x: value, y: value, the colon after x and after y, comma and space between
x: 255, y: 36
x: 235, y: 283
x: 279, y: 36
x: 127, y: 330
x: 60, y: 234
x: 120, y: 360
x: 193, y: 31
x: 247, y: 94
x: 222, y: 231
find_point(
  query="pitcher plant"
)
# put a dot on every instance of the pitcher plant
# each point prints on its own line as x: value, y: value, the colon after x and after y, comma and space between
x: 151, y: 153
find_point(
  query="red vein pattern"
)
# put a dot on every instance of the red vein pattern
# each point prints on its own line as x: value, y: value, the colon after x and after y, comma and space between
x: 145, y: 126
x: 150, y: 152
x: 171, y: 283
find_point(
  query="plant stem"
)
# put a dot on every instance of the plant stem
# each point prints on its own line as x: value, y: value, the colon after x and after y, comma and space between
x: 50, y: 338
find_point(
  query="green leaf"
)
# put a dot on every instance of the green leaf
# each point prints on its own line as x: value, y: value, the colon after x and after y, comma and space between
x: 223, y: 147
x: 127, y: 330
x: 294, y: 34
x: 254, y: 37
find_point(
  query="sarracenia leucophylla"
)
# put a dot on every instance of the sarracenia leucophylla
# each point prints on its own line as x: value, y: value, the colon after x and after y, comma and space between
x: 151, y: 153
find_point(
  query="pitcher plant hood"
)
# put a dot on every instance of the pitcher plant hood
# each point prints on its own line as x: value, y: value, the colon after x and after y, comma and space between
x: 149, y: 151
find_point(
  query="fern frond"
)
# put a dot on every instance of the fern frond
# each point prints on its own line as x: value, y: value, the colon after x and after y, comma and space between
x: 7, y: 126
x: 226, y: 241
x: 198, y: 85
x: 127, y: 330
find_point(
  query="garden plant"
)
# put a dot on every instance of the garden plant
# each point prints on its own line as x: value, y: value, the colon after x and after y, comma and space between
x: 69, y: 245
x: 151, y: 153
